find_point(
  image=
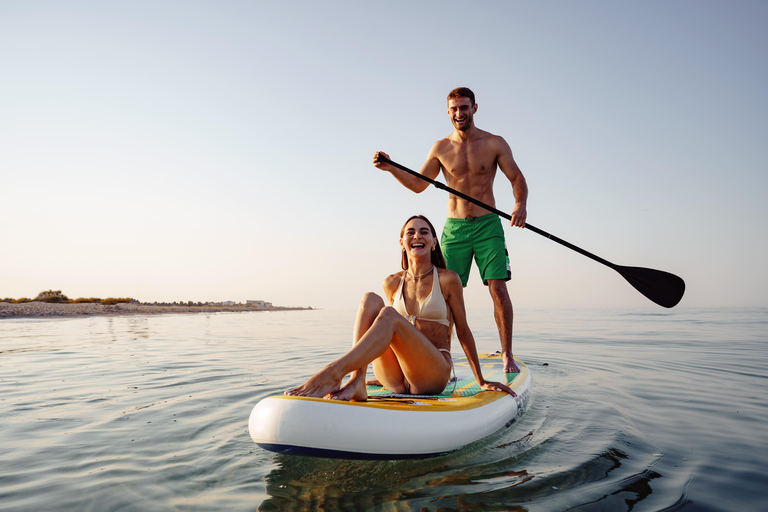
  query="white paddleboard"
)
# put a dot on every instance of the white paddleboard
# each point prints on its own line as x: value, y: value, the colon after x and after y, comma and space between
x: 390, y: 426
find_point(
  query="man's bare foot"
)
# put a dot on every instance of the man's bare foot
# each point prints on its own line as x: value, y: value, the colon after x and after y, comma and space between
x: 354, y: 390
x: 319, y: 385
x: 510, y: 365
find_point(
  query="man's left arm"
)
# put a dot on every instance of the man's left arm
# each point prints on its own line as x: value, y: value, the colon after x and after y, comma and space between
x: 515, y: 176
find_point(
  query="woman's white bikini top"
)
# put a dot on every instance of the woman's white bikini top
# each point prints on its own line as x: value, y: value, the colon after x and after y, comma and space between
x: 433, y: 309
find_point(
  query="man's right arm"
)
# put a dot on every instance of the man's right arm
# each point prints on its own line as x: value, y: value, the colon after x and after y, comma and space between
x: 430, y: 169
x: 515, y: 176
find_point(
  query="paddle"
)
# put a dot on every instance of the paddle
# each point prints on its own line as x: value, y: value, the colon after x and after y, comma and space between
x: 661, y: 287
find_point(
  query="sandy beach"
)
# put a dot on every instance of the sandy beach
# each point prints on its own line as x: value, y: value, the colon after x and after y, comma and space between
x: 48, y: 310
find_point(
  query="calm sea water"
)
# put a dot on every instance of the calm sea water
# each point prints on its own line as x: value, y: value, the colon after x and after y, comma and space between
x: 631, y: 410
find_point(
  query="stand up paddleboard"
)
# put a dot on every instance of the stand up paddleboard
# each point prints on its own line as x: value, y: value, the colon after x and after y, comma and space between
x: 393, y: 426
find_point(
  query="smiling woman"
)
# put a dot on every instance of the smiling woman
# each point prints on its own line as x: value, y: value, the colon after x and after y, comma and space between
x: 408, y: 342
x: 408, y: 232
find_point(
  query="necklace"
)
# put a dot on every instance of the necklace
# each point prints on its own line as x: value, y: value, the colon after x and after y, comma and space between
x: 420, y: 275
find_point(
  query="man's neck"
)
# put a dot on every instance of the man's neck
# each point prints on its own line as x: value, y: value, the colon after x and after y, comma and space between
x: 467, y: 135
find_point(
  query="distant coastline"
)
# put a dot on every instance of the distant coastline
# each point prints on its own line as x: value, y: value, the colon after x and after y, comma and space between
x: 38, y: 309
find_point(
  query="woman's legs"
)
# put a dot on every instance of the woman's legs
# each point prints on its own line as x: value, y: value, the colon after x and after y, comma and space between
x: 402, y: 353
x: 355, y: 389
x: 411, y: 364
x: 370, y: 307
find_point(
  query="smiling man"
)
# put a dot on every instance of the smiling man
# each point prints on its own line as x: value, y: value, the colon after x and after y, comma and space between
x: 469, y: 158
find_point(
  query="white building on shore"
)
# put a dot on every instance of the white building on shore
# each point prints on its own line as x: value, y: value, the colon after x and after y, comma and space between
x: 258, y: 304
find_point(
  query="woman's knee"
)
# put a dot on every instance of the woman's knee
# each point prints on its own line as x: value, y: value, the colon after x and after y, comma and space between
x: 371, y: 302
x: 388, y: 314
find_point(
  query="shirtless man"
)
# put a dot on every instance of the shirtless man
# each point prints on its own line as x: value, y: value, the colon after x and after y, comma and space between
x: 469, y: 158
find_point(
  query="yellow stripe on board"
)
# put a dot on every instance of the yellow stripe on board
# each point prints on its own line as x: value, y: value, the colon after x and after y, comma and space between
x: 455, y: 403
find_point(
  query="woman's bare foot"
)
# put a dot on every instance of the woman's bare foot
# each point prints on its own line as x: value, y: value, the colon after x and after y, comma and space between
x: 373, y: 382
x: 319, y: 385
x: 354, y: 390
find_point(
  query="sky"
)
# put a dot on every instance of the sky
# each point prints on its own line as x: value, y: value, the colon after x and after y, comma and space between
x: 208, y: 151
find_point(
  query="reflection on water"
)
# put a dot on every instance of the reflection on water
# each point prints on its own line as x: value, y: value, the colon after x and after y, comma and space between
x: 630, y: 410
x: 138, y: 327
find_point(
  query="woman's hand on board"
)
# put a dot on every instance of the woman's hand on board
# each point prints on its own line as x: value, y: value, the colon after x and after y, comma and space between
x: 497, y: 386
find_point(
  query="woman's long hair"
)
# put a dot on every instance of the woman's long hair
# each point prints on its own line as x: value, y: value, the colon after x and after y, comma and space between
x: 437, y: 254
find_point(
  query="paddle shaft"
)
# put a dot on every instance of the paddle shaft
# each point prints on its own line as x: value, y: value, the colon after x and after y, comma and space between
x: 507, y: 216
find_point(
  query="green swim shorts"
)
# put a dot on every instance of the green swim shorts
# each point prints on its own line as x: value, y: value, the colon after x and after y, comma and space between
x: 481, y: 237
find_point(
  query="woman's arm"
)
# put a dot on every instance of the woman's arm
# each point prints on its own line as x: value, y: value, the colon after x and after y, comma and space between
x: 391, y: 284
x: 454, y: 296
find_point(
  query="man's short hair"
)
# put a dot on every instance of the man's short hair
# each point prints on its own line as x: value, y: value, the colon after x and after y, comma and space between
x: 462, y: 92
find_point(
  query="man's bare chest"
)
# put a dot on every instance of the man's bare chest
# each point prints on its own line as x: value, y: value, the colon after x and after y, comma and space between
x: 468, y: 159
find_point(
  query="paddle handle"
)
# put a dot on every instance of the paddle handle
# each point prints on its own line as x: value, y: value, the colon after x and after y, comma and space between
x: 507, y: 216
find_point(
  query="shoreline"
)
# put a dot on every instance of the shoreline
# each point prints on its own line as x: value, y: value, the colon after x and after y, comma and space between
x: 53, y: 310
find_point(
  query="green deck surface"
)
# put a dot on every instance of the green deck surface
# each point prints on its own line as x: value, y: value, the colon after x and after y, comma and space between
x: 465, y: 384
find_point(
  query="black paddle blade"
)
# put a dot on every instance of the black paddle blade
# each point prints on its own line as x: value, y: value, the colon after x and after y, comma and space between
x: 661, y: 287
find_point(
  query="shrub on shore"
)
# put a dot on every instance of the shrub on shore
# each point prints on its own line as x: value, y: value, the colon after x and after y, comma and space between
x: 110, y: 301
x: 52, y: 296
x: 55, y: 296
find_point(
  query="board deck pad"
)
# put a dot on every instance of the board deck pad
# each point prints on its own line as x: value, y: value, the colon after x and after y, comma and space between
x: 464, y: 385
